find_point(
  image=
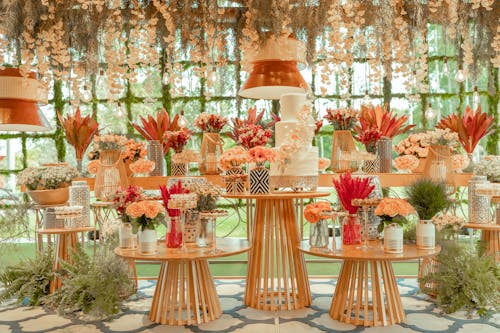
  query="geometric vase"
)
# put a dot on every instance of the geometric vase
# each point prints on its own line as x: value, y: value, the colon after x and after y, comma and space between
x: 259, y: 180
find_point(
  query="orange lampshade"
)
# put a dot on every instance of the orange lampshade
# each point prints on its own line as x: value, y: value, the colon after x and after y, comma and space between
x: 269, y: 79
x: 21, y: 116
x: 19, y: 98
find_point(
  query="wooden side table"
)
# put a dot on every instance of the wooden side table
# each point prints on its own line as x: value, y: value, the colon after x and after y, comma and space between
x: 104, y: 213
x: 490, y: 233
x: 39, y: 216
x: 185, y: 293
x: 276, y: 276
x: 351, y: 302
x: 65, y: 243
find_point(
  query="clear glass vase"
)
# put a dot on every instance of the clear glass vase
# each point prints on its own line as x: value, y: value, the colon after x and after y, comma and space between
x: 125, y: 236
x: 205, y: 234
x: 318, y: 233
x: 175, y: 226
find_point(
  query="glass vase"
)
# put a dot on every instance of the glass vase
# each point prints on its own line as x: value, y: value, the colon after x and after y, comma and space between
x: 351, y: 230
x: 125, y: 236
x: 205, y: 234
x: 318, y: 234
x: 191, y: 221
x: 211, y: 148
x: 175, y: 226
x: 437, y: 171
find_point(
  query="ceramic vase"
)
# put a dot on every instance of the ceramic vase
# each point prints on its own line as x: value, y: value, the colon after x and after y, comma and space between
x: 426, y: 235
x: 148, y: 241
x: 393, y: 238
x: 259, y: 180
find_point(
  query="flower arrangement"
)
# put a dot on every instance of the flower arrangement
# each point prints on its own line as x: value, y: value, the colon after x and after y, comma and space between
x: 342, y: 119
x: 406, y: 162
x: 314, y: 212
x: 443, y: 137
x: 79, y: 130
x: 233, y: 157
x: 93, y: 155
x: 349, y: 188
x: 459, y: 162
x: 167, y: 192
x: 489, y: 166
x: 134, y: 151
x: 253, y: 118
x: 207, y: 193
x: 155, y: 128
x: 93, y: 166
x: 393, y: 210
x: 109, y: 141
x: 470, y: 128
x: 250, y: 136
x: 187, y: 156
x: 369, y: 138
x: 261, y: 154
x: 323, y: 163
x: 142, y: 166
x: 212, y: 123
x: 416, y: 144
x: 448, y: 225
x: 177, y: 139
x: 146, y: 214
x: 122, y: 199
x: 47, y: 178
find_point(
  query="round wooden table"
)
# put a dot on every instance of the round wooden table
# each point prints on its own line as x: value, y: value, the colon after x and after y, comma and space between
x: 490, y: 233
x: 351, y: 302
x: 277, y: 275
x: 185, y: 293
x: 66, y: 239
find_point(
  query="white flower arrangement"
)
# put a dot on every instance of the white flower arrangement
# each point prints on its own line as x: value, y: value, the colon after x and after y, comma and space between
x: 109, y: 141
x: 406, y: 162
x: 489, y: 166
x: 448, y: 224
x: 207, y: 193
x: 418, y: 143
x: 45, y: 178
x: 459, y: 162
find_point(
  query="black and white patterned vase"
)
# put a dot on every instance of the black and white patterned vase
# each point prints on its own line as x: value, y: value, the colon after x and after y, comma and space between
x: 259, y: 180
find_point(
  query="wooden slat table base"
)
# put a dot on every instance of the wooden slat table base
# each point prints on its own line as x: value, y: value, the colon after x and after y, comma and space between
x: 355, y: 303
x: 185, y: 294
x: 492, y: 238
x: 64, y: 244
x: 277, y: 275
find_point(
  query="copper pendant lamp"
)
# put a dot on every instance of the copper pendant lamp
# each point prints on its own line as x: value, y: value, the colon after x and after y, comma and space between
x: 275, y: 69
x: 19, y: 98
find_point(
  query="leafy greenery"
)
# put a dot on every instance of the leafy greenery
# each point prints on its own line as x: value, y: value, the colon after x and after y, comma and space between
x: 427, y: 197
x: 94, y: 285
x: 465, y: 279
x: 386, y: 220
x: 30, y: 279
x: 13, y: 218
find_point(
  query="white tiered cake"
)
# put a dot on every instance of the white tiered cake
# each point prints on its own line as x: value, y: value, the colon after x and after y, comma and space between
x: 298, y: 165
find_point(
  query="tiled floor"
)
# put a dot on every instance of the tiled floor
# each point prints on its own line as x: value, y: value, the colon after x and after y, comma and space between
x: 422, y: 316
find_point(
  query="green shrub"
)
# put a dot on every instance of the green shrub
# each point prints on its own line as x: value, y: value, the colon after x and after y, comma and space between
x: 28, y: 280
x: 96, y: 285
x: 465, y: 279
x: 427, y: 197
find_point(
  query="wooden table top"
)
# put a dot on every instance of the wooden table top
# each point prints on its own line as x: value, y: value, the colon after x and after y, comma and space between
x: 225, y: 247
x: 278, y: 195
x: 483, y: 226
x: 375, y: 252
x: 55, y: 231
x: 102, y: 204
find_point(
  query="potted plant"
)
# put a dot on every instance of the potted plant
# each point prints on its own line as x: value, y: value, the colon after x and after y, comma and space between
x: 393, y: 213
x: 121, y: 200
x: 428, y: 198
x: 145, y: 216
x: 48, y: 185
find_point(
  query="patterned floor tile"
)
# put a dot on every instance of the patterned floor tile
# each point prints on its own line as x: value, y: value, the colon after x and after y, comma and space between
x: 44, y: 323
x: 428, y: 322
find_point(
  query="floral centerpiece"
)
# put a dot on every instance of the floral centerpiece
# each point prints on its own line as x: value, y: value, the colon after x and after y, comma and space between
x: 250, y: 136
x: 349, y: 188
x: 177, y: 140
x: 342, y: 119
x: 187, y: 156
x: 174, y: 237
x: 145, y: 214
x: 109, y: 142
x: 48, y: 185
x: 448, y: 225
x: 315, y: 214
x: 122, y: 199
x: 233, y: 158
x: 416, y: 144
x: 260, y: 154
x: 142, y: 166
x: 154, y: 129
x: 259, y: 176
x: 393, y: 210
x: 489, y: 166
x: 79, y: 132
x: 406, y: 162
x: 212, y: 123
x: 134, y: 151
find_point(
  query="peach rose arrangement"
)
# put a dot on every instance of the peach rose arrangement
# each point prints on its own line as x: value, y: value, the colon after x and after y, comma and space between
x: 393, y: 210
x: 142, y: 166
x: 233, y: 158
x: 406, y: 162
x: 261, y: 154
x: 315, y: 211
x: 146, y: 214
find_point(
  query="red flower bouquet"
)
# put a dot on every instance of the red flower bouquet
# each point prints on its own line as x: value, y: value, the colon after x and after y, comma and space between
x: 177, y: 139
x: 212, y: 123
x: 250, y: 136
x: 122, y: 199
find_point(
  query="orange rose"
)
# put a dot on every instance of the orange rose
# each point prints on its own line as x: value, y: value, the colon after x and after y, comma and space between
x: 151, y: 208
x: 135, y: 210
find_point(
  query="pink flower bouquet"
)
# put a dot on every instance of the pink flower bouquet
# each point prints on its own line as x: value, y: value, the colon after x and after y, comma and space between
x: 212, y: 123
x: 233, y: 157
x: 147, y: 214
x: 142, y: 166
x: 261, y: 154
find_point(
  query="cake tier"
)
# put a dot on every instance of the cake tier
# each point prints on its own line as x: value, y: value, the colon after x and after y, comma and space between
x: 283, y: 130
x: 302, y: 163
x: 290, y: 105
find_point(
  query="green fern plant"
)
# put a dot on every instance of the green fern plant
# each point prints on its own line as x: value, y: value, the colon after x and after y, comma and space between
x: 28, y: 281
x: 427, y: 197
x: 94, y: 285
x: 465, y: 279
